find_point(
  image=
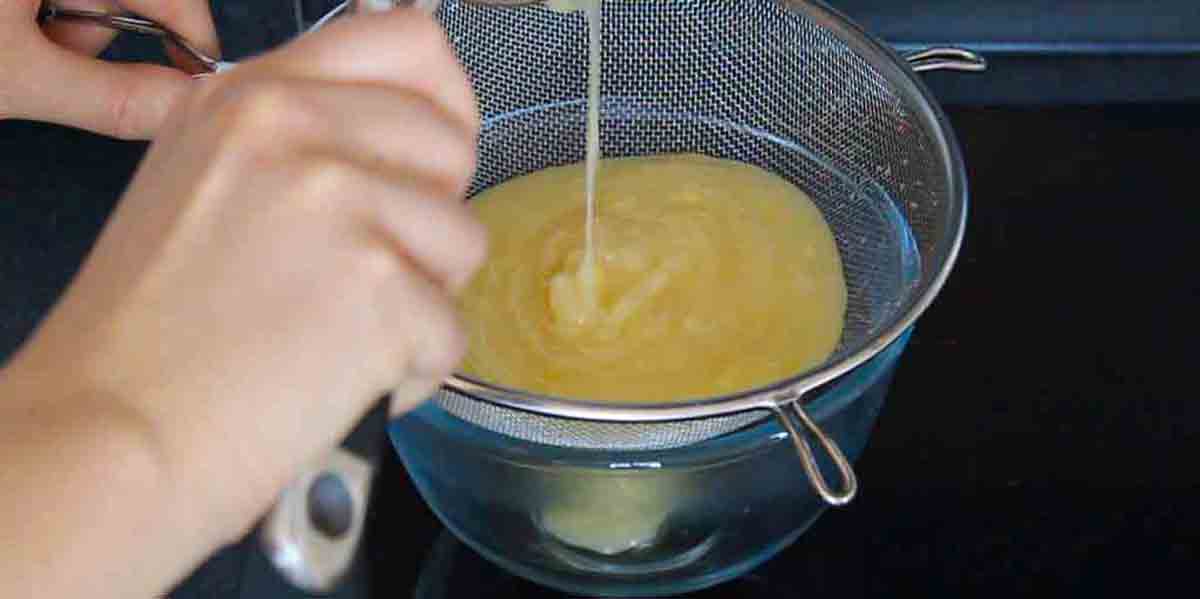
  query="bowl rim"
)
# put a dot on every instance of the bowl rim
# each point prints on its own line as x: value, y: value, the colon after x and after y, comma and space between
x: 796, y: 387
x: 826, y: 404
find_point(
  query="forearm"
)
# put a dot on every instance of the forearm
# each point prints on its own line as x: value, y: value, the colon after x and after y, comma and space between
x: 88, y: 507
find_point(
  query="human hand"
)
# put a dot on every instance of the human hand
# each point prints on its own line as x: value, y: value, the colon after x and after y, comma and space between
x: 51, y: 74
x: 288, y: 252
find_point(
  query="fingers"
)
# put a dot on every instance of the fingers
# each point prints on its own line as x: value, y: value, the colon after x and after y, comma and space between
x: 190, y: 18
x: 383, y: 269
x: 128, y: 101
x: 85, y: 38
x: 422, y: 317
x: 389, y: 128
x: 391, y: 162
x: 403, y: 47
x: 419, y: 159
x: 410, y: 393
x: 443, y: 237
x: 378, y: 119
x: 65, y: 85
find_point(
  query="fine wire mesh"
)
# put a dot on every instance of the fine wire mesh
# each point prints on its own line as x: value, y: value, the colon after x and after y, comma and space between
x: 754, y: 81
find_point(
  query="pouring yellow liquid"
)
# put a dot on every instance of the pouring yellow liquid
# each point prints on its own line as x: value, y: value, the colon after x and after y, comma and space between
x: 710, y: 277
x: 587, y: 270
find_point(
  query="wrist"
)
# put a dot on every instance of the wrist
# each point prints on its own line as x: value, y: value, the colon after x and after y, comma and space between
x: 218, y: 485
x: 93, y: 486
x: 118, y: 430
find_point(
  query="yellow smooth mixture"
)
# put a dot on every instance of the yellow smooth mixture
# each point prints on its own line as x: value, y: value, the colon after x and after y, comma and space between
x: 711, y: 276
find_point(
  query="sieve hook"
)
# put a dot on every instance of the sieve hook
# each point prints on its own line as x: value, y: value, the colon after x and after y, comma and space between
x: 785, y: 412
x: 945, y: 59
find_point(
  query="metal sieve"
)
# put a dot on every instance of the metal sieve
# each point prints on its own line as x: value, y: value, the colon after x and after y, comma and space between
x: 789, y: 86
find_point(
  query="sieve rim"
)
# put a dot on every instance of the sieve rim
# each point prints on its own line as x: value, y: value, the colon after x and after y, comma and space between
x: 795, y: 388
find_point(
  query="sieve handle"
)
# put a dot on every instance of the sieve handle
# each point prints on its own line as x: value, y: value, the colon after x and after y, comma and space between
x: 797, y: 422
x: 50, y: 11
x: 945, y: 59
x: 312, y: 533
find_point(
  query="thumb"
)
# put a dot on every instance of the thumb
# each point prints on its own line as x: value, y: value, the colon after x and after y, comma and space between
x: 128, y: 101
x: 409, y: 394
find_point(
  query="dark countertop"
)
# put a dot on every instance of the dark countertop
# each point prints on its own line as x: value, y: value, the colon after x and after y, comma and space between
x: 1040, y: 436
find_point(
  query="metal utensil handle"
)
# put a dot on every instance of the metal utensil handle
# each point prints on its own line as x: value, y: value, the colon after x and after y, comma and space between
x: 785, y: 411
x: 132, y: 23
x: 312, y: 533
x: 946, y: 59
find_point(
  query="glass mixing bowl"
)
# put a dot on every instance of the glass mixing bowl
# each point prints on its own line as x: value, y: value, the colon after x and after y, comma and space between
x: 634, y: 523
